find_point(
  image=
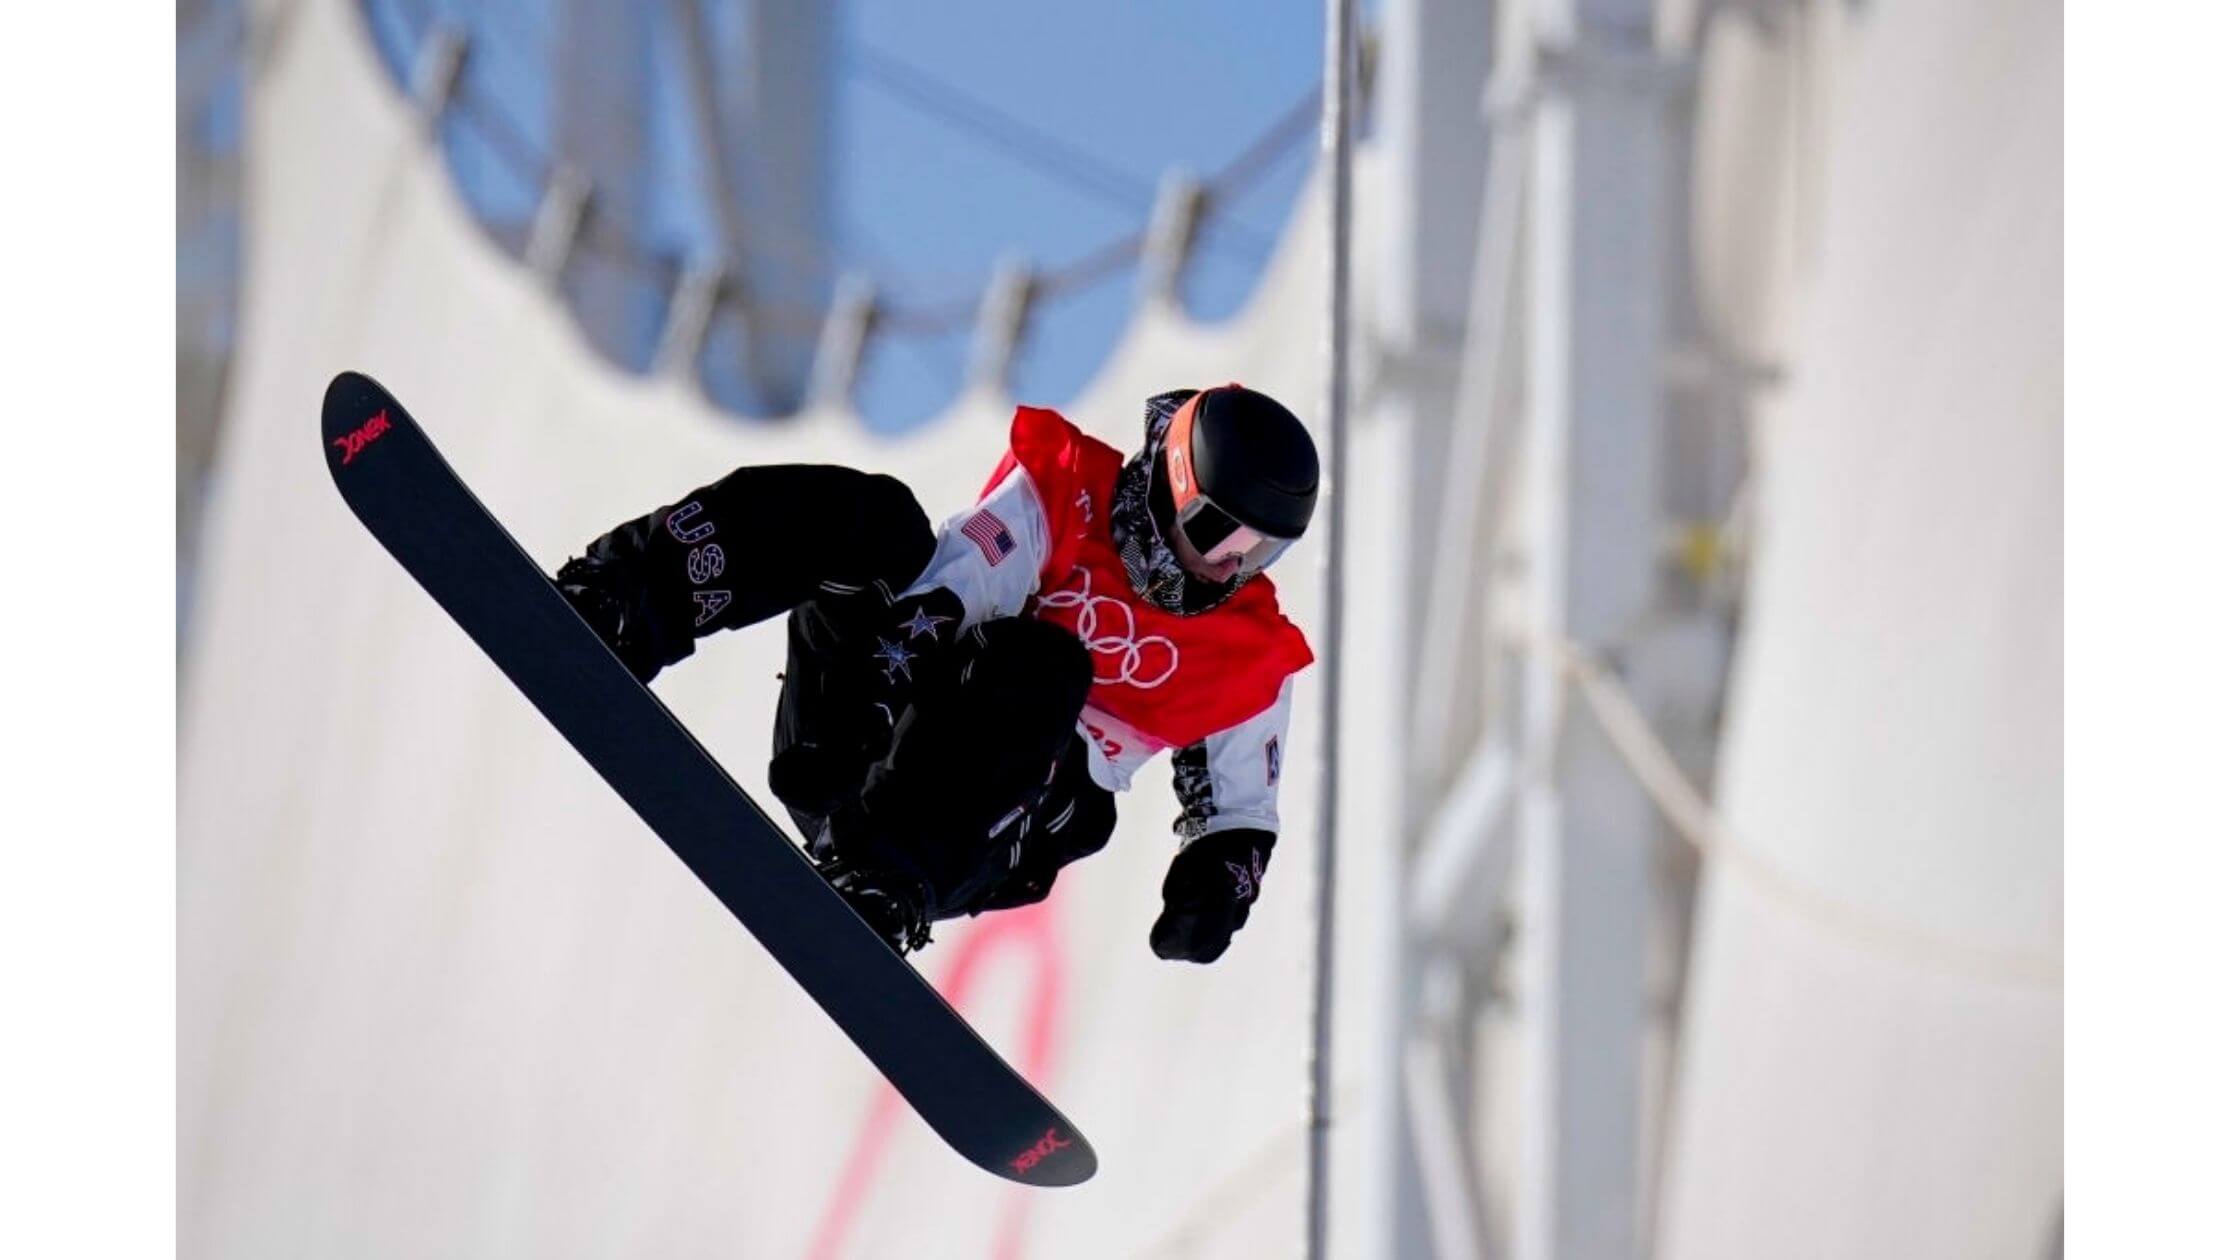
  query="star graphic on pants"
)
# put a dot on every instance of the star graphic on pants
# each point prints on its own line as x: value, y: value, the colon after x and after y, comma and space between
x: 895, y: 659
x: 1248, y: 877
x: 922, y: 623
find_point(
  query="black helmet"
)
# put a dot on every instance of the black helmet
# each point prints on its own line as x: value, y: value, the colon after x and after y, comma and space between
x: 1242, y: 475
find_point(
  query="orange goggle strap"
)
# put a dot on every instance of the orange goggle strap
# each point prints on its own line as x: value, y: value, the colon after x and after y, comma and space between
x: 1182, y: 475
x: 1255, y: 549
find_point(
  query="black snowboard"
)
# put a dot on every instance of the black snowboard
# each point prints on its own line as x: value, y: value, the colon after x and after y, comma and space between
x: 404, y: 492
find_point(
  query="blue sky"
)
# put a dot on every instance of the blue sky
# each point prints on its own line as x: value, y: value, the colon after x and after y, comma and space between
x: 928, y: 208
x: 1146, y: 86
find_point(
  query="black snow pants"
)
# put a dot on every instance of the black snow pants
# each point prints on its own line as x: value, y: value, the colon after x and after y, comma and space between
x: 965, y: 763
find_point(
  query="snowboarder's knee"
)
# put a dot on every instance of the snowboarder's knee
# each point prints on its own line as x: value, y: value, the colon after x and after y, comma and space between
x: 890, y: 503
x: 893, y: 539
x: 1026, y: 653
x: 830, y: 522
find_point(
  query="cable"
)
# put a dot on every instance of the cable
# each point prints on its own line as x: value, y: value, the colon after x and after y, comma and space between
x: 1690, y: 815
x: 614, y: 242
x: 1123, y: 251
x: 1020, y: 140
x: 1289, y: 128
x: 1023, y: 141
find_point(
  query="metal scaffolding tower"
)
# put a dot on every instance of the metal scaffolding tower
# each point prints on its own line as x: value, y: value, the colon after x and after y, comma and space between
x: 1536, y: 396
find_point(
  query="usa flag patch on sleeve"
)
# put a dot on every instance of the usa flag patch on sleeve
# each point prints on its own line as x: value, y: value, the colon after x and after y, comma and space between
x: 987, y: 532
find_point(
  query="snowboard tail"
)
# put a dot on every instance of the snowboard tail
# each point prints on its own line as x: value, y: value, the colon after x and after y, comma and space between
x: 401, y: 489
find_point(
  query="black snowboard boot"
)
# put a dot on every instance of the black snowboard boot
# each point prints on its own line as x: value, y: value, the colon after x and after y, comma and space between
x: 874, y: 877
x: 887, y: 905
x: 604, y: 596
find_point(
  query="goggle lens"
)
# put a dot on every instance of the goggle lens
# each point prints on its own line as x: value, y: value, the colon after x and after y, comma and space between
x: 1219, y: 537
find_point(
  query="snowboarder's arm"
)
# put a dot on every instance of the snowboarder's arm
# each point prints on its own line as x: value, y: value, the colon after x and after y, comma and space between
x: 1228, y: 781
x: 1227, y: 786
x: 991, y: 554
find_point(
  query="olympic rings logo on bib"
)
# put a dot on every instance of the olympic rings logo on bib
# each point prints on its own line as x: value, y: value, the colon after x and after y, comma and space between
x: 1144, y: 662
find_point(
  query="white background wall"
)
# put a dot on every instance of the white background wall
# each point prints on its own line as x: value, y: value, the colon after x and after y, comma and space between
x: 441, y: 993
x: 1872, y: 1060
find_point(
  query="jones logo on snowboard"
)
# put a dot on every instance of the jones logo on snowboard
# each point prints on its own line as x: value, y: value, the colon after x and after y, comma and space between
x: 356, y: 439
x: 1028, y: 1158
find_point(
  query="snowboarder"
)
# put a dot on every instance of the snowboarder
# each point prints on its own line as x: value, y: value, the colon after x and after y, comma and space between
x: 959, y: 706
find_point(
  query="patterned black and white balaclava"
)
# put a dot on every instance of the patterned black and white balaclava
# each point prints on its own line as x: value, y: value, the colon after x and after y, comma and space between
x: 1141, y: 511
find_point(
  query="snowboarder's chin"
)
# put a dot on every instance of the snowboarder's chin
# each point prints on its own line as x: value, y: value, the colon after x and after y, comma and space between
x: 1206, y: 570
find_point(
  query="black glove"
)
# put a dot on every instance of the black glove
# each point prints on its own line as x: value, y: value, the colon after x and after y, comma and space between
x: 819, y: 778
x: 606, y: 593
x: 1209, y: 891
x: 864, y: 660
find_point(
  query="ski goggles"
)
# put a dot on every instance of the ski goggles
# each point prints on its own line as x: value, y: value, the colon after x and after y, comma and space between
x: 1200, y: 523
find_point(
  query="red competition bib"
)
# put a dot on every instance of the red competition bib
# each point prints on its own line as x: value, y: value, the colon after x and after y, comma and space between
x: 1174, y: 679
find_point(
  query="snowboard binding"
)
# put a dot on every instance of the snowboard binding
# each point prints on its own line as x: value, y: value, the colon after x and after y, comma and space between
x: 600, y: 594
x: 884, y: 905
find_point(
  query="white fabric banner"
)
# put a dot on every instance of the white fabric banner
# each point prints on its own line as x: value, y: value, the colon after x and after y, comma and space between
x: 442, y: 994
x: 1872, y: 1055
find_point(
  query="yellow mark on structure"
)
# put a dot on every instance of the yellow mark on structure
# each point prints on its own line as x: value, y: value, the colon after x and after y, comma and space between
x: 1699, y: 550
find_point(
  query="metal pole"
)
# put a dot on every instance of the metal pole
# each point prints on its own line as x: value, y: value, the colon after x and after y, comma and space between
x: 1337, y: 141
x: 1592, y: 446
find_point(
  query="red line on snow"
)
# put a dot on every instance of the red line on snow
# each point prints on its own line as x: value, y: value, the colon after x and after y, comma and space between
x: 1032, y: 930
